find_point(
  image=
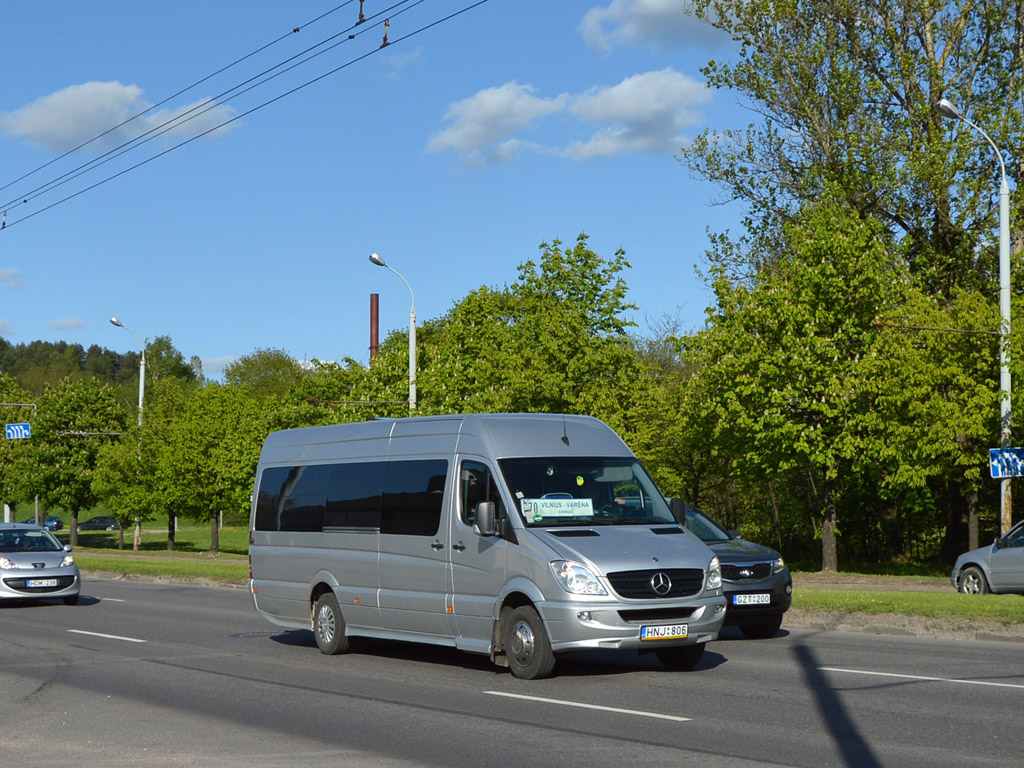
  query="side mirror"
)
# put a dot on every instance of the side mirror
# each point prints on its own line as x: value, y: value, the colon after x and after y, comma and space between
x: 997, y: 542
x: 484, y: 525
x: 67, y: 547
x: 678, y: 507
x: 734, y: 534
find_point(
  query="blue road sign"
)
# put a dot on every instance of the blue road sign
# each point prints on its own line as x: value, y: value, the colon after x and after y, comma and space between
x: 1006, y: 462
x: 19, y: 431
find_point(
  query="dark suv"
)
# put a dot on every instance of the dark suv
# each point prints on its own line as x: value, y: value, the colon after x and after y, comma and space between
x: 757, y: 584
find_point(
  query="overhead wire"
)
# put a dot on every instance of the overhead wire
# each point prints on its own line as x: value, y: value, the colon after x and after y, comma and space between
x: 205, y: 106
x: 184, y: 90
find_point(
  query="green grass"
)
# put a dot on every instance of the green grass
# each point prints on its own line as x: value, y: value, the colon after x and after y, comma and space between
x: 234, y: 571
x: 1004, y: 609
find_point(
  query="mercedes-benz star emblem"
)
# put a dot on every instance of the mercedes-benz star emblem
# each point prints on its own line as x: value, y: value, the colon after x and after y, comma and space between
x: 661, y: 583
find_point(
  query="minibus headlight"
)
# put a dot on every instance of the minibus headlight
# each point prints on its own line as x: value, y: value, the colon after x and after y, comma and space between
x: 778, y: 564
x: 714, y: 574
x: 576, y: 579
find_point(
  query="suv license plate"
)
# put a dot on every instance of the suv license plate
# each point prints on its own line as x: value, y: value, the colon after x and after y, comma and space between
x: 762, y: 598
x: 41, y: 583
x: 664, y: 632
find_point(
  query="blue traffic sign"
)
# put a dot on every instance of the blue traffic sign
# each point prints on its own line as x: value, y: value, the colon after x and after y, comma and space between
x: 1006, y: 462
x: 19, y: 431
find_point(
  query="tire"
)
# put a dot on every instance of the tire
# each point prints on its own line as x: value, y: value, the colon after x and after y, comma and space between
x: 71, y: 600
x: 329, y: 626
x: 972, y: 581
x: 526, y: 644
x: 763, y: 630
x: 681, y: 657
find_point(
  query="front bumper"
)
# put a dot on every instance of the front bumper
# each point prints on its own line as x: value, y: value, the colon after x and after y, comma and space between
x: 29, y: 584
x: 610, y: 624
x: 778, y: 587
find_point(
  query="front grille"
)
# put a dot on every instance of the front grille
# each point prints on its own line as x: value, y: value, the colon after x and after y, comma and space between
x: 636, y: 585
x: 657, y: 614
x: 63, y: 582
x: 746, y: 572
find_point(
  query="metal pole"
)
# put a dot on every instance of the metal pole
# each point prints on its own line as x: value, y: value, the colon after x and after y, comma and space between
x: 947, y: 109
x: 412, y: 331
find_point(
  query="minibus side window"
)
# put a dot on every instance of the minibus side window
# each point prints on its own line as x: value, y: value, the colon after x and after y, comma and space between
x: 268, y: 501
x: 353, y: 495
x: 476, y: 484
x: 411, y: 501
x: 305, y: 491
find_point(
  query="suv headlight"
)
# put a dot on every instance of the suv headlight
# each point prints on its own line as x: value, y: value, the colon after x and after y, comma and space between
x: 714, y: 580
x: 576, y: 579
x: 778, y: 564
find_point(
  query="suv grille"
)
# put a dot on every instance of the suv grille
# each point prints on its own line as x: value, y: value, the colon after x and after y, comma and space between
x: 637, y: 585
x: 746, y: 572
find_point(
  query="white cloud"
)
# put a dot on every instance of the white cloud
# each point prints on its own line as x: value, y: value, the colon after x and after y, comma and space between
x: 10, y: 279
x: 482, y: 124
x: 643, y: 113
x: 6, y: 329
x: 78, y: 113
x: 67, y: 324
x: 662, y: 23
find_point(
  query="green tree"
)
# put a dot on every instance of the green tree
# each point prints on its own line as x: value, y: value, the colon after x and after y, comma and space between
x: 10, y: 450
x: 266, y: 373
x: 208, y: 464
x: 76, y: 418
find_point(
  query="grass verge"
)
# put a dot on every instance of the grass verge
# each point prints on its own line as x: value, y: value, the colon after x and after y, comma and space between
x: 1004, y: 609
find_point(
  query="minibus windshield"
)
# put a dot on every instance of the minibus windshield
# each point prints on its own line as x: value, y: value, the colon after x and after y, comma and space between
x: 584, y: 491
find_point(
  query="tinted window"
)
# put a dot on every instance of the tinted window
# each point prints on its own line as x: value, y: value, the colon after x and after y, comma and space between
x: 292, y: 499
x: 353, y: 495
x: 268, y: 502
x: 411, y: 501
x: 476, y: 484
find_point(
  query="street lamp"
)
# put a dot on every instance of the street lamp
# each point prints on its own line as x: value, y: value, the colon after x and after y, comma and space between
x: 412, y: 332
x: 142, y: 364
x: 946, y: 108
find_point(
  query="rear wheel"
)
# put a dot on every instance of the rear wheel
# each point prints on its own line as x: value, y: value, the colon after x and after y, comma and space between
x: 526, y: 644
x: 681, y: 657
x: 329, y: 626
x: 762, y: 630
x: 972, y: 581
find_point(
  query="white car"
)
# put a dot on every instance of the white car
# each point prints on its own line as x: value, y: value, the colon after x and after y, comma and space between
x: 997, y: 568
x: 34, y: 565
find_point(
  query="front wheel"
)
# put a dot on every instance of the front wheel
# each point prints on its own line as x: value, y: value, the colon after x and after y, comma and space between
x: 329, y: 626
x: 526, y: 644
x: 972, y: 581
x: 681, y: 657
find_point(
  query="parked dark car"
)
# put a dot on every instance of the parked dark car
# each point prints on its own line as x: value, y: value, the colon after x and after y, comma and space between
x: 51, y: 523
x: 757, y: 584
x: 100, y: 523
x: 997, y: 568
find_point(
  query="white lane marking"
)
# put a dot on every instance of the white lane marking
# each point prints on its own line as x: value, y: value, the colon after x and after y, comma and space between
x: 920, y: 677
x: 638, y: 713
x: 109, y: 637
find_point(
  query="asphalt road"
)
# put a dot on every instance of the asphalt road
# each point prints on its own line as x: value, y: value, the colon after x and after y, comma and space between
x: 155, y: 674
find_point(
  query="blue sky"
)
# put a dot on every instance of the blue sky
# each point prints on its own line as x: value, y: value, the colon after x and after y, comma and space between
x: 453, y: 153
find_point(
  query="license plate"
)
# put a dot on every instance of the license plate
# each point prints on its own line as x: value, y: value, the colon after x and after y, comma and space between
x: 41, y: 583
x: 759, y: 599
x: 664, y: 632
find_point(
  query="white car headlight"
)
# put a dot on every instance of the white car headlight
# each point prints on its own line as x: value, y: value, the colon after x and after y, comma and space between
x: 714, y: 580
x: 68, y: 560
x: 5, y: 563
x: 576, y: 579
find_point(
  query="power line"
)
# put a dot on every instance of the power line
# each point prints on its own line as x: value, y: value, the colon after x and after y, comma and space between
x: 173, y: 96
x: 199, y: 110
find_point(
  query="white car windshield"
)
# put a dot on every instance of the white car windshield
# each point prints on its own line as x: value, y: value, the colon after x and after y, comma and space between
x: 584, y: 491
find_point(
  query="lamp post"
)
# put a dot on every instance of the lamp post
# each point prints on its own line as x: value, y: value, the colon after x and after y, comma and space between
x: 412, y: 332
x: 142, y: 364
x: 946, y: 108
x: 137, y: 543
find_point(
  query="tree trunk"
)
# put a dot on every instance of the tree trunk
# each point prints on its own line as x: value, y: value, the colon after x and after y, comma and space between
x: 893, y: 536
x: 73, y: 532
x: 137, y: 540
x: 829, y: 553
x: 171, y: 525
x: 214, y: 535
x: 954, y: 540
x: 972, y: 518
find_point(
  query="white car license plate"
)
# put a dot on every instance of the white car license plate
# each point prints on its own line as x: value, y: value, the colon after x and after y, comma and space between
x: 42, y: 583
x: 762, y: 598
x: 664, y: 632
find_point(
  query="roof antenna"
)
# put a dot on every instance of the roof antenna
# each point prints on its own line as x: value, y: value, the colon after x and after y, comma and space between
x: 565, y: 437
